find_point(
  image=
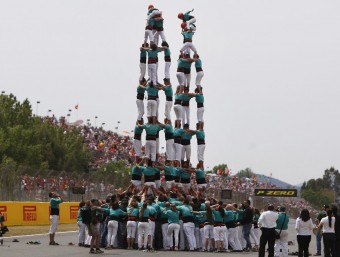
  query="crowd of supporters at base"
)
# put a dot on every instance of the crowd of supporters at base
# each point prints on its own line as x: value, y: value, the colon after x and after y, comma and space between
x: 173, y: 221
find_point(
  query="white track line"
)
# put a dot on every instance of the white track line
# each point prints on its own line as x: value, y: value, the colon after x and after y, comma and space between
x: 66, y: 232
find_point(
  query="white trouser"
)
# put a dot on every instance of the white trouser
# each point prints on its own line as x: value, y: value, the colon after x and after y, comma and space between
x: 281, y: 243
x: 157, y: 100
x: 189, y: 230
x: 150, y: 149
x: 182, y: 236
x: 152, y: 72
x: 208, y: 231
x: 150, y: 184
x: 187, y: 79
x: 226, y: 234
x: 137, y: 184
x: 233, y: 239
x: 131, y: 227
x: 142, y: 67
x: 177, y: 151
x: 202, y: 237
x: 200, y: 112
x: 167, y: 70
x: 151, y: 108
x: 186, y: 115
x: 187, y: 46
x: 191, y: 21
x: 186, y: 152
x: 148, y: 34
x: 173, y: 228
x: 165, y: 236
x: 199, y: 76
x: 81, y: 235
x: 112, y: 229
x: 151, y: 232
x: 240, y: 237
x: 54, y: 223
x: 157, y: 145
x: 137, y: 146
x: 200, y: 152
x: 167, y: 110
x: 140, y: 108
x: 156, y: 36
x: 169, y: 148
x: 181, y: 78
x: 158, y: 183
x: 198, y: 238
x: 178, y: 111
x: 186, y: 187
x: 219, y: 233
x: 143, y: 230
x: 254, y: 235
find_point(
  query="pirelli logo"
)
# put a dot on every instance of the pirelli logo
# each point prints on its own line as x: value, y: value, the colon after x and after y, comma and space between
x: 74, y: 212
x: 276, y: 192
x: 3, y: 210
x: 29, y: 213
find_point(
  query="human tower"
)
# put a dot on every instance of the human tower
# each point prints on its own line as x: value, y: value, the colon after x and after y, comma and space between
x: 178, y: 170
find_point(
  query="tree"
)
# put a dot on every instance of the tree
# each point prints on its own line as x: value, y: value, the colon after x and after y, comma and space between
x: 247, y: 172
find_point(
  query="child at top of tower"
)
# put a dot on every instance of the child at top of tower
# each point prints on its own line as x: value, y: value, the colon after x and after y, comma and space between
x: 188, y: 20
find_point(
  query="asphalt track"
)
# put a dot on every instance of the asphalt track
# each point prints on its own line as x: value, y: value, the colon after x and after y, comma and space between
x: 21, y: 248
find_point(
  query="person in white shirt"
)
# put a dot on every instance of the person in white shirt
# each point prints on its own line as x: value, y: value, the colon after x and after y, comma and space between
x: 267, y: 224
x: 328, y: 233
x: 304, y: 226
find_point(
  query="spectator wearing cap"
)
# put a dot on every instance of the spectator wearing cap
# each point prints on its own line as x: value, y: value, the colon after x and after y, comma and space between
x: 267, y: 223
x: 321, y: 215
x: 282, y: 228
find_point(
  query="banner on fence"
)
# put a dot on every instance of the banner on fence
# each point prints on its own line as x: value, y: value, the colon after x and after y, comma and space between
x: 37, y: 213
x: 275, y: 192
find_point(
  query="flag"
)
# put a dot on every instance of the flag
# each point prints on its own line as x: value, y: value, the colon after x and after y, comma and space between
x: 254, y: 178
x: 76, y: 106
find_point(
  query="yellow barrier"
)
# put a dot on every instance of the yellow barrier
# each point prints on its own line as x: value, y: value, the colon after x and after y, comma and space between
x: 37, y: 213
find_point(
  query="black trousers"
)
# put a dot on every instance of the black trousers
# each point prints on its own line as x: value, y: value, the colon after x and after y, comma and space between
x: 303, y: 243
x: 329, y: 244
x: 267, y: 236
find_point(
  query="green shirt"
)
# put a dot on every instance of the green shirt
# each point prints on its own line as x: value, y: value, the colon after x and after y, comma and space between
x: 199, y: 98
x: 178, y: 132
x: 153, y: 53
x: 138, y: 130
x: 186, y: 97
x: 229, y: 216
x: 168, y: 91
x: 186, y: 136
x: 173, y: 216
x: 133, y: 211
x: 188, y: 34
x: 152, y: 91
x: 200, y: 135
x: 217, y: 216
x: 283, y: 218
x: 167, y: 52
x: 137, y: 170
x: 198, y: 63
x: 54, y: 203
x: 151, y: 129
x: 140, y: 90
x: 200, y: 174
x: 186, y: 210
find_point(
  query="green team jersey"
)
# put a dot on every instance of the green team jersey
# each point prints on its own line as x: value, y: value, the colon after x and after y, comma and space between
x: 152, y: 91
x: 153, y: 53
x: 283, y: 218
x: 198, y: 63
x: 167, y: 52
x: 200, y: 174
x: 133, y: 211
x: 217, y: 216
x: 169, y: 171
x: 186, y: 136
x: 179, y: 97
x: 178, y: 132
x: 168, y: 91
x: 150, y: 171
x: 142, y: 53
x: 185, y: 175
x: 186, y: 210
x: 188, y: 35
x: 229, y: 216
x: 199, y: 98
x: 168, y: 128
x: 138, y: 130
x: 173, y: 216
x: 140, y: 90
x: 200, y: 135
x: 187, y: 16
x: 186, y: 64
x: 137, y: 170
x: 181, y: 63
x: 151, y: 129
x: 186, y: 97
